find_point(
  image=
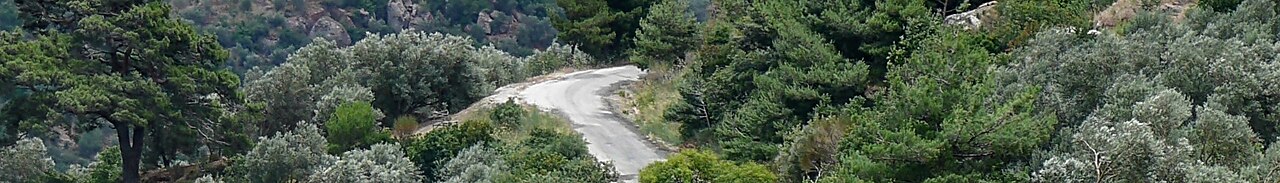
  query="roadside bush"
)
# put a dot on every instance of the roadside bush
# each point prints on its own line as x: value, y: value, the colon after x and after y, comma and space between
x: 436, y: 147
x: 353, y: 126
x: 405, y: 126
x: 507, y: 114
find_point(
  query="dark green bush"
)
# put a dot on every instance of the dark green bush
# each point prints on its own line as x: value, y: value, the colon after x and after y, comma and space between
x: 437, y: 147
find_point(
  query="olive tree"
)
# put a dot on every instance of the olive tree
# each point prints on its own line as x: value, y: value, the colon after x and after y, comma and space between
x: 410, y: 73
x: 286, y: 156
x: 25, y: 161
x: 379, y: 163
x: 1159, y: 101
x: 478, y: 163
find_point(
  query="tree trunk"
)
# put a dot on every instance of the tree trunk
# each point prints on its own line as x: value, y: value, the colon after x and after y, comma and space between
x: 130, y: 150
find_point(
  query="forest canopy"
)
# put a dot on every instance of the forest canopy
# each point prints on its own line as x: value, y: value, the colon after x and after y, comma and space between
x: 1031, y: 93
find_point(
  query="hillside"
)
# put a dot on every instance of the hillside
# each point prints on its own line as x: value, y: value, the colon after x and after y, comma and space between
x: 264, y: 32
x: 928, y: 91
x: 95, y: 91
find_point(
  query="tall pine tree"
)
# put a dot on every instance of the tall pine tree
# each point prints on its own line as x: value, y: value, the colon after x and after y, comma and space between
x: 119, y: 64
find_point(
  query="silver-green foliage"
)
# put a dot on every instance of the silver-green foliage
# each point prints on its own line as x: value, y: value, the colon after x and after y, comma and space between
x: 299, y: 155
x: 1107, y: 147
x: 555, y: 57
x: 477, y: 164
x: 1268, y: 167
x: 286, y: 93
x: 408, y: 73
x: 1159, y: 138
x: 286, y: 156
x: 303, y: 87
x: 379, y: 163
x: 24, y: 161
x: 498, y: 67
x: 208, y: 179
x: 416, y: 72
x: 1173, y: 102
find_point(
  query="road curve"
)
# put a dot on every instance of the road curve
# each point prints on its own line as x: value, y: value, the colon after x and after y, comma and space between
x: 579, y: 96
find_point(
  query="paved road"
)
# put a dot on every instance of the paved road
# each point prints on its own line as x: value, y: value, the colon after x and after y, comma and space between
x: 580, y: 97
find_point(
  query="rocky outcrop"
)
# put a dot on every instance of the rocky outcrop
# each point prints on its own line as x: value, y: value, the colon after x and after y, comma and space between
x: 331, y: 29
x: 405, y: 14
x: 297, y: 23
x: 63, y: 138
x: 1119, y: 11
x: 507, y: 24
x: 1122, y: 11
x: 399, y: 13
x: 510, y: 24
x: 484, y: 21
x: 1177, y: 9
x: 972, y: 19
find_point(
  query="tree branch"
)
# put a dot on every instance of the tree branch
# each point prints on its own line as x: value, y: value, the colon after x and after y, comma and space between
x: 1097, y: 162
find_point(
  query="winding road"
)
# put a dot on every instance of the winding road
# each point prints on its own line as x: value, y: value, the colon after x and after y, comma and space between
x: 580, y: 96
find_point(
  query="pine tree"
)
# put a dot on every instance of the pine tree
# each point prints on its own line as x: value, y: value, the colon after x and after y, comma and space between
x: 665, y: 34
x: 127, y: 64
x: 604, y: 29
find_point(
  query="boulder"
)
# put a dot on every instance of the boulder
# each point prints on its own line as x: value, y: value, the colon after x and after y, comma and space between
x: 397, y: 12
x: 972, y: 19
x: 483, y: 20
x: 404, y: 14
x: 330, y: 29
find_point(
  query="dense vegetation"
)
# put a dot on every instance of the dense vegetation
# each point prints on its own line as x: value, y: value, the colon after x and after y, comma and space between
x: 131, y: 71
x: 854, y: 91
x: 264, y: 33
x: 749, y: 90
x: 8, y: 15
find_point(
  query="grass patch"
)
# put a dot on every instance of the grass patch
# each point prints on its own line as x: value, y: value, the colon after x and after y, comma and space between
x: 653, y: 95
x: 516, y: 128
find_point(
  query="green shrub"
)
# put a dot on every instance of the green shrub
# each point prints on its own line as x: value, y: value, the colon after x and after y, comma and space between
x: 508, y: 114
x: 405, y: 126
x: 353, y: 126
x: 1220, y: 5
x: 557, y: 154
x: 1021, y: 19
x: 704, y: 166
x: 436, y: 147
x: 107, y: 167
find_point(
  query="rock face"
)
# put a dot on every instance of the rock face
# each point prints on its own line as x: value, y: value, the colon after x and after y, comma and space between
x: 404, y: 14
x: 396, y: 11
x: 1177, y: 9
x: 296, y: 23
x: 510, y: 22
x: 972, y: 19
x: 329, y: 28
x: 1119, y: 11
x: 484, y: 20
x: 498, y: 25
x: 1124, y: 10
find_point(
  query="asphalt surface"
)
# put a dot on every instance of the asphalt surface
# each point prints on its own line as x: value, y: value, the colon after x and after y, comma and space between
x: 580, y: 96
